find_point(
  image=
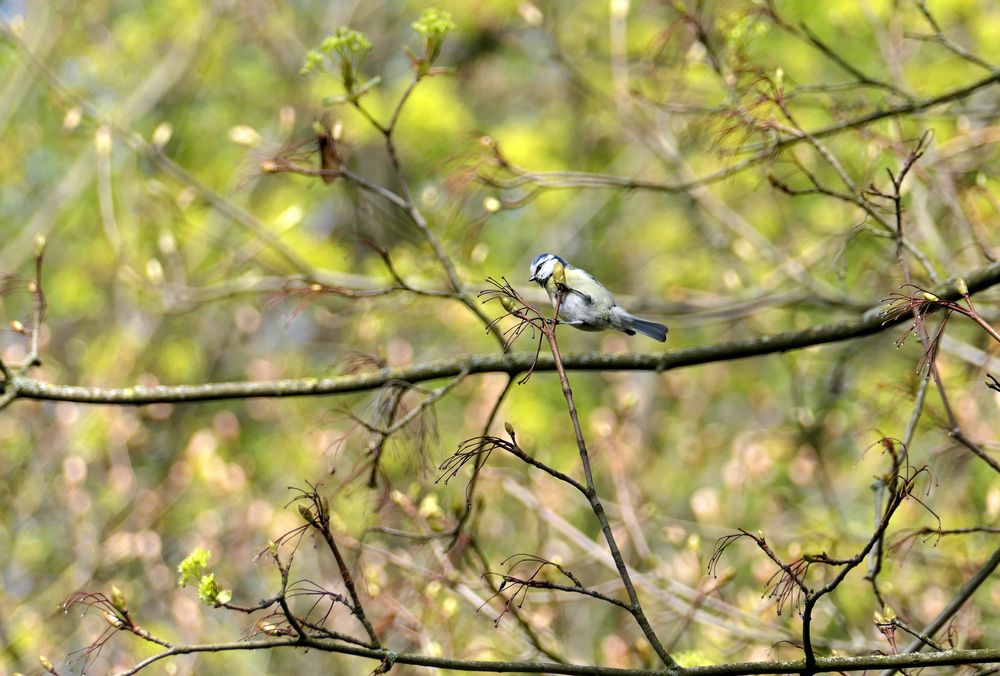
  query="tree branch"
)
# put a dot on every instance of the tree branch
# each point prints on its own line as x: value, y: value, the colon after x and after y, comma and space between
x: 761, y: 152
x: 871, y: 322
x: 823, y: 664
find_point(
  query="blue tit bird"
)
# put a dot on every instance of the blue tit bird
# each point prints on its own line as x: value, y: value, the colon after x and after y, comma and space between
x: 586, y: 304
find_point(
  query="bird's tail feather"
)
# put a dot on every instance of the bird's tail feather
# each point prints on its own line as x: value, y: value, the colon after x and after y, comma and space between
x: 629, y: 323
x: 651, y: 329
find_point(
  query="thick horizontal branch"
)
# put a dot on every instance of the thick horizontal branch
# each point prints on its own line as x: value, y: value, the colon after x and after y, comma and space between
x: 871, y: 322
x: 823, y: 664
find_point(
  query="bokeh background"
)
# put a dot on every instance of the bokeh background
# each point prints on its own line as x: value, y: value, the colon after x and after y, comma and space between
x: 162, y: 276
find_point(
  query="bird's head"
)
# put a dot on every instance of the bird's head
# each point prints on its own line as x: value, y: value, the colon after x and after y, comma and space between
x: 542, y: 267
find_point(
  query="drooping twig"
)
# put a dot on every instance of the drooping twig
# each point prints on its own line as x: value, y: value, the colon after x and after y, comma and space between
x: 518, y: 586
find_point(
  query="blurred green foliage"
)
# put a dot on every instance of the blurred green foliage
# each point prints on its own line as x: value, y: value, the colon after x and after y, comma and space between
x: 149, y: 282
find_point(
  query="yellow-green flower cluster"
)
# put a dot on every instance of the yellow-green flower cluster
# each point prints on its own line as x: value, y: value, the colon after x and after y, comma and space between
x: 433, y: 25
x: 348, y: 45
x: 346, y: 42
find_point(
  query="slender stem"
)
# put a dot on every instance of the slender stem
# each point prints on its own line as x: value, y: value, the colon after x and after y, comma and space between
x: 293, y: 621
x: 388, y: 131
x: 404, y: 200
x: 470, y: 490
x: 896, y: 498
x: 39, y: 310
x: 635, y: 608
x: 345, y: 574
x: 977, y: 318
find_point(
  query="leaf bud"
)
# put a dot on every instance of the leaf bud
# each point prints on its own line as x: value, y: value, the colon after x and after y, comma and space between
x: 559, y: 273
x: 118, y: 600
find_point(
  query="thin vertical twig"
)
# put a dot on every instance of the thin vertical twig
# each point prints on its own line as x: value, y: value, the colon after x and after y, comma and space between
x: 635, y: 607
x: 348, y: 579
x: 38, y: 311
x: 470, y: 490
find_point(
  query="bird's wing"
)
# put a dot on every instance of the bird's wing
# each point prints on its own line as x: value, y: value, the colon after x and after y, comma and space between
x: 594, y: 281
x: 591, y: 280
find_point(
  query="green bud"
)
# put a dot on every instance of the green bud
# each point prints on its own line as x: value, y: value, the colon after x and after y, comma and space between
x: 118, y: 600
x: 305, y: 513
x: 510, y: 429
x: 963, y: 288
x: 928, y: 296
x: 559, y: 273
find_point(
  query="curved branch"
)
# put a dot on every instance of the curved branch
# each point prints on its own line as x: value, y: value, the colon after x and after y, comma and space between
x: 871, y: 322
x: 760, y: 153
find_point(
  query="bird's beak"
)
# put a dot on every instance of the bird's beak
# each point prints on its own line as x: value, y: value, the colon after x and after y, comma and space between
x: 532, y: 278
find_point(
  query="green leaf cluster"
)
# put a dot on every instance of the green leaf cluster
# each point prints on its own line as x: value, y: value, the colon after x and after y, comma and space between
x: 194, y: 569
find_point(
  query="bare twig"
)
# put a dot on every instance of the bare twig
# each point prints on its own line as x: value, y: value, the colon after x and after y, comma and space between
x: 635, y: 607
x: 317, y: 515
